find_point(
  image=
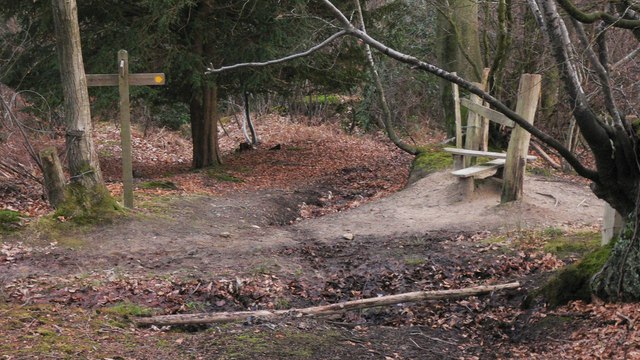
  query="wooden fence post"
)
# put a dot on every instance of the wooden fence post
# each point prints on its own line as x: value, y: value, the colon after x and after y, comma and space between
x: 484, y: 122
x: 125, y: 128
x: 472, y: 140
x: 527, y: 103
x: 458, y: 160
x: 612, y: 223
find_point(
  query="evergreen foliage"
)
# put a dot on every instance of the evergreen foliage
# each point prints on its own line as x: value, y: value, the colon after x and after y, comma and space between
x: 160, y: 35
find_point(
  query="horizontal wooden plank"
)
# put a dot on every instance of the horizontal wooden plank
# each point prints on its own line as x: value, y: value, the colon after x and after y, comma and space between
x: 480, y: 171
x: 134, y: 79
x: 488, y: 113
x: 478, y: 153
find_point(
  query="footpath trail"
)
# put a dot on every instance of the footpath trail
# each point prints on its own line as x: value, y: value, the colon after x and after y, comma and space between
x: 214, y: 233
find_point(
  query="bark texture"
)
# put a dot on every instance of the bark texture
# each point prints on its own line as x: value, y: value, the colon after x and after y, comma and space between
x: 53, y: 176
x: 619, y: 279
x: 83, y: 160
x: 204, y: 99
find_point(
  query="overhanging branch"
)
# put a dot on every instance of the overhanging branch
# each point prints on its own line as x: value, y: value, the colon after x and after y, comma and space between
x: 329, y: 40
x: 592, y: 17
x: 499, y: 106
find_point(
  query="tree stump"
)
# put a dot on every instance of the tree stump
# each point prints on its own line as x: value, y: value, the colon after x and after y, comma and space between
x: 54, y: 181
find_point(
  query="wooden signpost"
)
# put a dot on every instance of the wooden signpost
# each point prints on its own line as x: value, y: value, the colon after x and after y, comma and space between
x: 123, y: 80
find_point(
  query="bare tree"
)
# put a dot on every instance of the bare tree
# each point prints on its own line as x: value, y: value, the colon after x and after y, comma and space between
x: 611, y: 138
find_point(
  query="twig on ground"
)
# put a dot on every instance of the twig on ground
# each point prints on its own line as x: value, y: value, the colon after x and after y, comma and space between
x: 435, y: 338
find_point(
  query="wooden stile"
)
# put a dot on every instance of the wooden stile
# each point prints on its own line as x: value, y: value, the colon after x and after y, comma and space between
x: 517, y: 152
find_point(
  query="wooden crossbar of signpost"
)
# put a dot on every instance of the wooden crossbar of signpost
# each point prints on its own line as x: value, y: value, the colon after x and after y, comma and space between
x: 123, y: 80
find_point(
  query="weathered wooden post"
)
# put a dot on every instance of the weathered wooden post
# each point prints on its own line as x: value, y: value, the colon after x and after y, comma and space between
x: 472, y: 140
x: 123, y: 80
x: 125, y: 128
x: 527, y: 103
x: 612, y: 223
x: 458, y: 160
x: 484, y: 122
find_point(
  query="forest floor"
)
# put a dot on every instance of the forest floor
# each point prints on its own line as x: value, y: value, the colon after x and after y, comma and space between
x: 312, y: 216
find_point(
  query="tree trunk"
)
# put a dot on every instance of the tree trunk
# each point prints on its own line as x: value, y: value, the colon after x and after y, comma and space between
x: 204, y: 101
x: 459, y: 48
x: 204, y: 127
x: 249, y: 122
x: 619, y: 279
x: 83, y: 160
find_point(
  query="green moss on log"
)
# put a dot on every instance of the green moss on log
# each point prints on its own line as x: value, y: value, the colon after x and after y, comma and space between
x: 429, y: 160
x: 619, y: 280
x: 573, y: 281
x: 86, y: 206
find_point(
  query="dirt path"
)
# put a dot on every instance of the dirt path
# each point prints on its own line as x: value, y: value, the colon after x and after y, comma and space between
x: 205, y: 236
x: 435, y: 203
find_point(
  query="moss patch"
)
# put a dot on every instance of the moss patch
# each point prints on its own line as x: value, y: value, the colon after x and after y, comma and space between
x: 85, y: 206
x: 539, y: 171
x: 10, y: 221
x: 159, y: 184
x: 576, y: 244
x: 221, y: 175
x: 427, y: 161
x: 280, y: 344
x: 66, y: 234
x: 121, y: 314
x: 572, y: 282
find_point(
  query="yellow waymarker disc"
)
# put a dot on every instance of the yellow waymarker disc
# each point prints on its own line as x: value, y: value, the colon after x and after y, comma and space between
x: 159, y: 79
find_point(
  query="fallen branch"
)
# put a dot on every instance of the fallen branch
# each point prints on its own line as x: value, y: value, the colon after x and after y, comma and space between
x: 545, y: 156
x: 324, y: 310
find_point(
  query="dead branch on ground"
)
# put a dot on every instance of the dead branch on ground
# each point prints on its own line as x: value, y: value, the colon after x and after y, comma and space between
x: 324, y: 310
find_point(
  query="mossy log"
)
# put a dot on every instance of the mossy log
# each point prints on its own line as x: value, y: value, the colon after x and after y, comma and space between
x: 619, y: 279
x: 325, y: 310
x: 573, y: 281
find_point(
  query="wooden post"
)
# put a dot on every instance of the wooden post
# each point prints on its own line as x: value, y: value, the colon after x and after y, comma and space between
x: 456, y: 112
x: 457, y: 159
x: 527, y: 103
x: 123, y: 80
x: 53, y: 176
x: 612, y: 223
x: 472, y: 140
x: 484, y: 122
x: 125, y: 128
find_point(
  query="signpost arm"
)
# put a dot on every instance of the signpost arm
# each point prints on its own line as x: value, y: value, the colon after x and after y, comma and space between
x: 125, y: 128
